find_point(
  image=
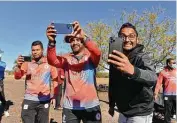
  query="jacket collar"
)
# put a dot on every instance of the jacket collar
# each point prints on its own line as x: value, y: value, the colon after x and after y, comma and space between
x: 137, y: 49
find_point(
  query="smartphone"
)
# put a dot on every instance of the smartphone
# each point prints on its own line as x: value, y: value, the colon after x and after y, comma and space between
x: 115, y: 43
x: 63, y: 28
x: 27, y: 58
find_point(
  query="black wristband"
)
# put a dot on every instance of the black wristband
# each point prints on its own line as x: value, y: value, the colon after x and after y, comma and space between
x: 51, y: 43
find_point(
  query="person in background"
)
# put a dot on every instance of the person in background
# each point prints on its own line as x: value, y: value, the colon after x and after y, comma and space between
x: 167, y: 78
x: 2, y: 94
x: 39, y: 78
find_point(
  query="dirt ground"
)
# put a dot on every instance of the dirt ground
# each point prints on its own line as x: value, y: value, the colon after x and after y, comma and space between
x: 14, y: 91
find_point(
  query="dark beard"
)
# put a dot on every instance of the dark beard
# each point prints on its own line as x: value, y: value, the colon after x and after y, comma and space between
x: 75, y: 52
x: 37, y: 59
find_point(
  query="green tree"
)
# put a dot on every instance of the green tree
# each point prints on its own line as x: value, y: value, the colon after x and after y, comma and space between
x: 156, y: 31
x: 100, y: 33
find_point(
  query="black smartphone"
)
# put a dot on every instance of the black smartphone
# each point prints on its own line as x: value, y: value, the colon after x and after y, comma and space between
x: 63, y: 28
x: 115, y: 43
x: 27, y: 58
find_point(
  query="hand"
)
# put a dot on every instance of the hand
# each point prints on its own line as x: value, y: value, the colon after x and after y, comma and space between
x: 111, y: 111
x: 20, y: 61
x: 155, y: 96
x: 121, y: 62
x: 78, y: 31
x: 53, y: 102
x: 51, y: 33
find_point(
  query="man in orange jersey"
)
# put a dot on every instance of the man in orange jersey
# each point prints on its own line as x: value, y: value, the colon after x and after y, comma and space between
x: 39, y: 74
x: 80, y: 100
x: 167, y: 78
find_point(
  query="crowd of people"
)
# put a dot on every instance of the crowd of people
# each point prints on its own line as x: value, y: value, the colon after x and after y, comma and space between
x: 132, y: 78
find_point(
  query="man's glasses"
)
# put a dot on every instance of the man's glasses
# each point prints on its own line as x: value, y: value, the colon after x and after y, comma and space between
x: 130, y: 37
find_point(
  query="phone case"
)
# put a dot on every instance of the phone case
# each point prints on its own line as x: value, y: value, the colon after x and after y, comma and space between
x: 63, y: 28
x: 115, y: 43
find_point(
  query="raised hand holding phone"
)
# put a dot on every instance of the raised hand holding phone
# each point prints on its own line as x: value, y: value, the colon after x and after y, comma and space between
x: 77, y: 31
x: 27, y: 58
x: 20, y: 61
x: 72, y: 30
x: 58, y: 28
x: 51, y: 32
x: 115, y: 43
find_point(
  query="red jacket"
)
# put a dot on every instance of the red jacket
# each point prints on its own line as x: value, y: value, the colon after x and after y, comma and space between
x: 168, y: 79
x: 80, y: 92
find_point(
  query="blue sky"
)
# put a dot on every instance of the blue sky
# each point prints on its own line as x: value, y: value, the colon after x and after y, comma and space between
x: 21, y: 23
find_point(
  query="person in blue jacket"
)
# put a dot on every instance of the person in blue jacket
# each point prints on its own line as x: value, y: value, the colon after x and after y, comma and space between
x: 2, y: 95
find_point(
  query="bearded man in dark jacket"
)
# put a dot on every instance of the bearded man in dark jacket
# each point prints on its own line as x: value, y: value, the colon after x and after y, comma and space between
x: 131, y: 79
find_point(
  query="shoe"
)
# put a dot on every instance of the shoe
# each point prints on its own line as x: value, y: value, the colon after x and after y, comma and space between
x: 6, y: 114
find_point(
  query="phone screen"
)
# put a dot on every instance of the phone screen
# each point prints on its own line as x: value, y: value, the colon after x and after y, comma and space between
x: 27, y: 58
x: 63, y: 28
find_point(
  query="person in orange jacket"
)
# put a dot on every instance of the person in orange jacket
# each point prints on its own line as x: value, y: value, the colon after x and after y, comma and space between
x: 167, y: 78
x: 80, y: 100
x: 39, y: 77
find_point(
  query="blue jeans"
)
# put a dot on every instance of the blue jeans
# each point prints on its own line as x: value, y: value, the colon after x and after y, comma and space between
x: 135, y: 119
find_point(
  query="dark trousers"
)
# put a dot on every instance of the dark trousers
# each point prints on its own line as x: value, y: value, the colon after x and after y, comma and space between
x: 91, y: 115
x: 2, y: 96
x: 170, y: 104
x: 35, y: 112
x: 58, y: 98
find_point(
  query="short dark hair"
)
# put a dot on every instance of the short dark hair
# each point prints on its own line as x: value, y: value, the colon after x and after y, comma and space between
x: 37, y: 43
x: 127, y: 25
x: 168, y: 60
